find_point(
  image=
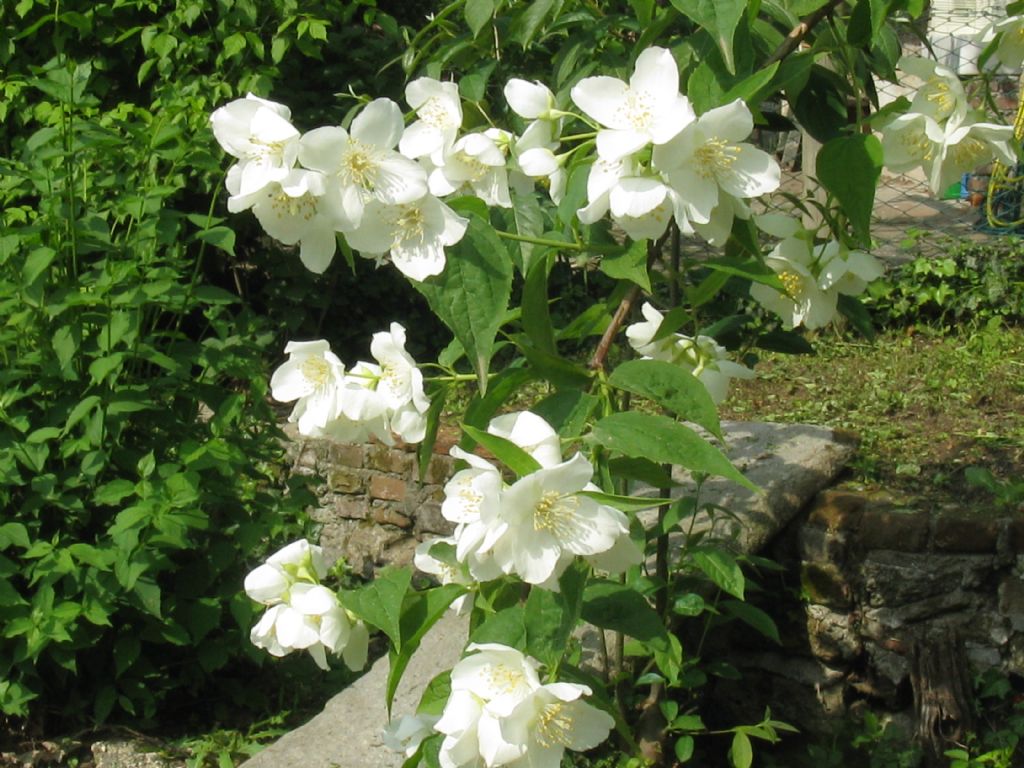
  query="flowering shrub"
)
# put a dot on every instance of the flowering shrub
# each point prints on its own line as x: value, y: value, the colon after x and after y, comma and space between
x: 602, y: 166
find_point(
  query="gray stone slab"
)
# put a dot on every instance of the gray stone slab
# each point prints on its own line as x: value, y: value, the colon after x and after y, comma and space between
x: 347, y: 733
x: 789, y: 462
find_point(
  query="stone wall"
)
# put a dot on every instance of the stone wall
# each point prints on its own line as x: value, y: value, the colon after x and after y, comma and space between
x: 874, y: 588
x: 869, y: 584
x: 373, y: 507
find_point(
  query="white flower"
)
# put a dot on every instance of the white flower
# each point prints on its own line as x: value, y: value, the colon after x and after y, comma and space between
x: 531, y: 433
x: 709, y: 157
x: 303, y: 614
x: 447, y: 570
x: 415, y: 234
x: 649, y: 110
x: 400, y: 385
x: 406, y: 733
x: 705, y: 358
x: 848, y: 272
x: 945, y: 152
x: 439, y: 111
x: 1010, y: 48
x: 259, y: 134
x: 547, y: 521
x: 641, y: 204
x: 312, y: 375
x: 941, y: 95
x: 551, y: 719
x: 362, y: 165
x: 534, y: 101
x: 498, y: 714
x: 967, y: 146
x: 476, y: 161
x: 292, y: 211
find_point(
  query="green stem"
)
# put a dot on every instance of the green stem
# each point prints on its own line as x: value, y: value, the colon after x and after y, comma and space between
x: 561, y: 244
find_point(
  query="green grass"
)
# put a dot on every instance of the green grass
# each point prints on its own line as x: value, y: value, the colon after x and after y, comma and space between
x: 925, y: 404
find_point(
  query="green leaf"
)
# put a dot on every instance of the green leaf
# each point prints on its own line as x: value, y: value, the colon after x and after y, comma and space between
x: 233, y: 45
x: 36, y: 263
x: 690, y: 604
x: 553, y: 368
x: 741, y: 754
x: 684, y: 748
x: 849, y: 168
x: 221, y: 238
x: 670, y: 386
x: 567, y: 411
x: 610, y: 605
x: 507, y: 452
x: 420, y: 611
x: 148, y: 594
x: 624, y: 503
x: 102, y: 367
x: 380, y: 603
x: 14, y: 533
x: 113, y: 492
x: 472, y: 293
x: 536, y: 317
x: 529, y: 220
x: 719, y: 18
x: 525, y: 27
x: 754, y: 617
x: 507, y: 626
x: 722, y: 568
x: 658, y: 438
x: 631, y: 264
x: 550, y: 617
x: 478, y: 14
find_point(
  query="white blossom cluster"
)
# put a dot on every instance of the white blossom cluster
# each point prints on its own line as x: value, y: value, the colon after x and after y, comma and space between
x: 303, y: 614
x: 940, y: 133
x: 813, y: 274
x: 500, y: 714
x: 656, y: 160
x: 376, y: 399
x: 534, y: 527
x: 702, y: 356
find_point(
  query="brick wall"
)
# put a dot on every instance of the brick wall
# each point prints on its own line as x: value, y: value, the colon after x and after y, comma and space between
x: 373, y: 509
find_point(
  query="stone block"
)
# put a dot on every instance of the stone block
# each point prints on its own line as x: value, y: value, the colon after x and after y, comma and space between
x: 965, y: 533
x: 394, y: 460
x: 1011, y: 601
x: 899, y: 578
x: 439, y: 470
x: 837, y: 510
x: 346, y: 455
x: 388, y: 515
x: 429, y: 520
x: 1016, y: 535
x: 825, y: 584
x: 821, y: 544
x: 883, y: 527
x: 388, y: 488
x: 351, y: 508
x: 832, y: 635
x: 345, y: 480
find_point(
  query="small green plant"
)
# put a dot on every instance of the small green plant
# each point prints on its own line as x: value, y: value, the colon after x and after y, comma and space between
x: 974, y: 283
x: 1007, y: 494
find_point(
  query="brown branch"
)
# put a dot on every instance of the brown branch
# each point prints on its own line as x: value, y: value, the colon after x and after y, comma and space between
x: 605, y: 344
x: 800, y: 31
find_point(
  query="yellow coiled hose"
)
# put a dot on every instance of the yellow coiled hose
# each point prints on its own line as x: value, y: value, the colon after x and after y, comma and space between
x: 1005, y: 185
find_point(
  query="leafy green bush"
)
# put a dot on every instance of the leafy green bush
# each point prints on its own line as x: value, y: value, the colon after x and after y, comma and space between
x: 972, y: 283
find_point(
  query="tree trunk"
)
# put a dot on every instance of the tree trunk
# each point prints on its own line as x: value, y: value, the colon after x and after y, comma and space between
x: 942, y: 693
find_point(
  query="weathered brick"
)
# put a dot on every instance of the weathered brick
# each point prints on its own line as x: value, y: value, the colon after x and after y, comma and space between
x: 388, y: 488
x: 882, y: 527
x: 345, y: 480
x: 346, y: 455
x: 387, y: 459
x: 388, y: 515
x: 351, y: 508
x: 837, y: 510
x: 961, y: 533
x: 430, y: 520
x: 439, y: 470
